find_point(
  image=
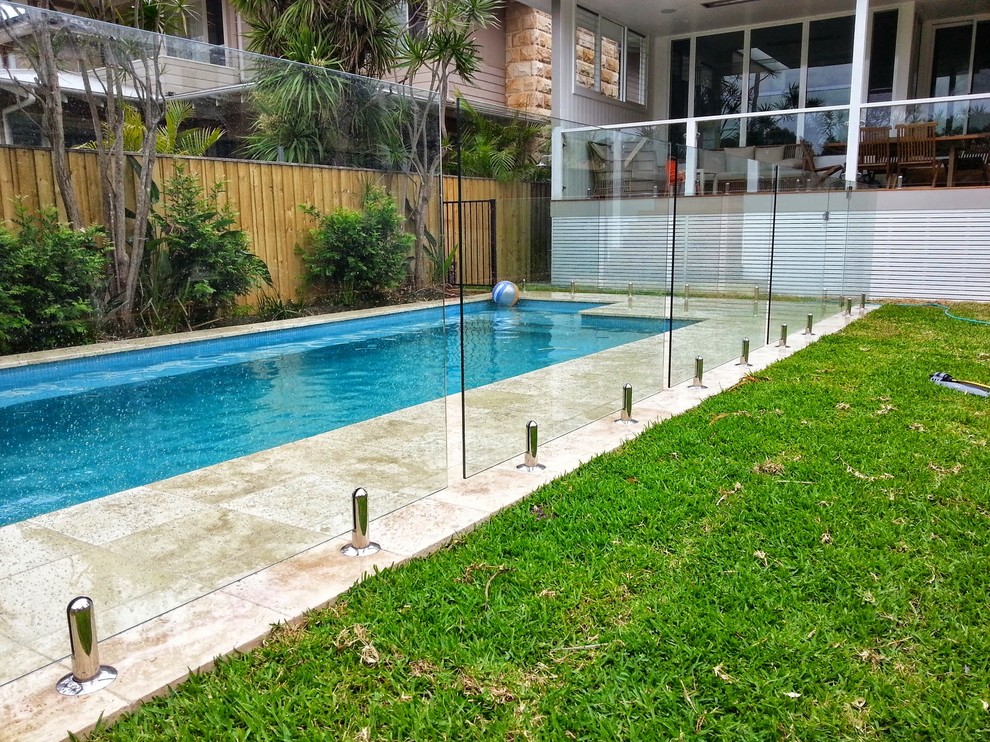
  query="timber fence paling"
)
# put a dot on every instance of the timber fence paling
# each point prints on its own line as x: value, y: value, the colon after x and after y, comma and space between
x: 266, y: 197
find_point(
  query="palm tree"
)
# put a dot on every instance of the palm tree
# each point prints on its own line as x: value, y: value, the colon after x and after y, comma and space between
x: 500, y: 148
x: 447, y: 47
x: 356, y: 36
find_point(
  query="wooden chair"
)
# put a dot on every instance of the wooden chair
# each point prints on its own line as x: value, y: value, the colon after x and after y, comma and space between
x: 631, y: 171
x: 874, y: 154
x: 976, y: 157
x: 916, y: 149
x: 819, y: 174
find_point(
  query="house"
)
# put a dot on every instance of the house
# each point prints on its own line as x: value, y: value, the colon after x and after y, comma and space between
x: 737, y: 79
x: 717, y: 98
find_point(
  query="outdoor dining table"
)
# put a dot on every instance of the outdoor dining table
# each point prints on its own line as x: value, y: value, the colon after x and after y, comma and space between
x: 950, y: 143
x: 956, y: 143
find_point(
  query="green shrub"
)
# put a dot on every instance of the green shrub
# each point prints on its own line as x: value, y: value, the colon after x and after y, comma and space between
x: 48, y: 275
x: 357, y: 251
x: 275, y: 308
x: 196, y: 265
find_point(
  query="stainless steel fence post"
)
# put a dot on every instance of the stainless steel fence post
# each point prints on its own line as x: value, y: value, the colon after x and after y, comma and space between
x: 824, y: 297
x: 630, y: 294
x: 573, y: 287
x: 782, y: 343
x: 699, y: 374
x: 687, y: 296
x: 809, y: 324
x: 522, y: 288
x: 744, y: 356
x: 531, y: 461
x: 862, y: 303
x: 849, y: 306
x: 87, y: 675
x: 360, y: 544
x: 626, y: 415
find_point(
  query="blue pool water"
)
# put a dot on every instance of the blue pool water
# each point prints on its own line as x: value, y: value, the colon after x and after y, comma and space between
x: 75, y: 430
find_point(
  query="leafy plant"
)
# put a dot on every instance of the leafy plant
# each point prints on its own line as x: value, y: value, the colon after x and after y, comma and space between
x: 115, y: 70
x: 274, y: 307
x: 296, y: 105
x: 502, y: 148
x: 48, y: 274
x: 197, y: 263
x: 171, y: 138
x: 440, y: 264
x: 356, y: 37
x: 352, y: 252
x: 309, y: 113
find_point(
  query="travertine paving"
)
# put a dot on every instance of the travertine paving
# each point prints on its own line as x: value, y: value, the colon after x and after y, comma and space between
x: 202, y: 564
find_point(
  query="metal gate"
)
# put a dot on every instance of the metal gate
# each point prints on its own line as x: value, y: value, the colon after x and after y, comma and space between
x: 480, y: 262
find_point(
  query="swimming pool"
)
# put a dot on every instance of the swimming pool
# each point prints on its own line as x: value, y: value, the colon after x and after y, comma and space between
x: 74, y: 430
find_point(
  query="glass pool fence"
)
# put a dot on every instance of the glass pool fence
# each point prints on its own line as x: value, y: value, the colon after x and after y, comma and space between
x: 147, y: 473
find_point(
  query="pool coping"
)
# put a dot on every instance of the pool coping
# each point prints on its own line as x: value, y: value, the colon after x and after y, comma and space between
x: 161, y: 652
x: 218, y: 333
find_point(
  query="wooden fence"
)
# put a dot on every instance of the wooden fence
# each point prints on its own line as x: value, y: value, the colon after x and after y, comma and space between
x: 267, y: 196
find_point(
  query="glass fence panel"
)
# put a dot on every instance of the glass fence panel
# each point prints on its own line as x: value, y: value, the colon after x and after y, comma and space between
x: 927, y: 144
x: 612, y: 163
x: 720, y: 265
x: 853, y: 271
x: 205, y: 409
x: 952, y: 118
x: 807, y: 240
x: 590, y: 313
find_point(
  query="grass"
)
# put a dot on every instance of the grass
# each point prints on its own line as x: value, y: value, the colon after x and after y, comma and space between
x: 802, y: 557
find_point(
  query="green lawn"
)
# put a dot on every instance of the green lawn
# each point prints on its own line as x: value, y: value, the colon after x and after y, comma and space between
x: 806, y: 556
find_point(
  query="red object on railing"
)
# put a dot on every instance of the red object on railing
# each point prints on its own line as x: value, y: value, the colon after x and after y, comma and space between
x: 673, y: 176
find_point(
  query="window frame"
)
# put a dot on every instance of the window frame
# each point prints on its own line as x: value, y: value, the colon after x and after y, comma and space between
x: 805, y: 22
x: 413, y: 16
x: 595, y: 91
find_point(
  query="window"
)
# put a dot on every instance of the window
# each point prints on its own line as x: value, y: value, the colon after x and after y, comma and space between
x: 412, y: 14
x: 718, y: 74
x: 775, y: 68
x: 960, y: 66
x: 774, y: 83
x: 634, y: 68
x: 202, y: 20
x: 718, y: 87
x: 768, y: 70
x: 882, y: 55
x: 680, y: 78
x: 609, y: 58
x: 830, y: 45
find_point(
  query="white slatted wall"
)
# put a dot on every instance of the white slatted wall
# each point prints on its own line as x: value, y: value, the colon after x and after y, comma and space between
x: 897, y: 254
x: 927, y: 254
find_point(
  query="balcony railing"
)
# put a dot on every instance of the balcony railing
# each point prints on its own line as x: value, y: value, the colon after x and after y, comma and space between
x: 796, y: 149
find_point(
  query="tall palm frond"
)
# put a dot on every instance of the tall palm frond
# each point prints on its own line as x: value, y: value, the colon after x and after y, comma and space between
x: 171, y: 139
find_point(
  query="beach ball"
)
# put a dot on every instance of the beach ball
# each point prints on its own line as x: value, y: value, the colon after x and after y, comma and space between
x: 505, y: 293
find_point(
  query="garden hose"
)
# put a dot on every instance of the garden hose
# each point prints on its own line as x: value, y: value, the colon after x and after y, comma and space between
x: 948, y: 313
x: 944, y: 379
x: 967, y: 387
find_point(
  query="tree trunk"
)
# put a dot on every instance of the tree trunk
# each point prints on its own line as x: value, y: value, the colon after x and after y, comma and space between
x: 127, y: 233
x: 152, y: 114
x: 424, y: 194
x: 49, y: 92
